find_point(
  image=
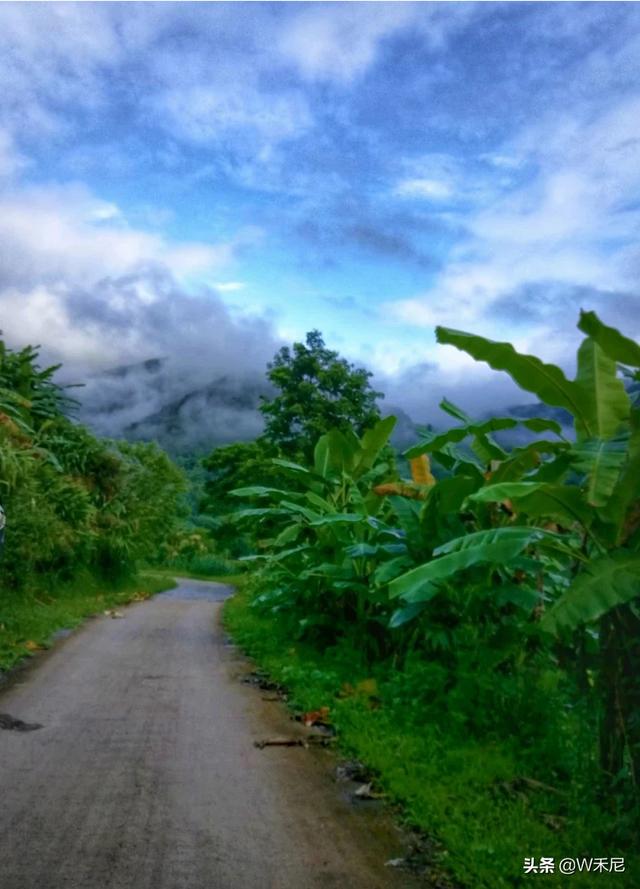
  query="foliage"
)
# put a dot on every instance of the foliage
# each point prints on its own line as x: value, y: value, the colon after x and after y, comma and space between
x: 28, y: 621
x: 316, y: 391
x: 503, y: 565
x: 463, y: 761
x: 327, y: 528
x: 73, y: 502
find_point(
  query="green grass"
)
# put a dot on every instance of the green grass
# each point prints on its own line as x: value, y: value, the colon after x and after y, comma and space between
x: 448, y: 784
x: 28, y: 619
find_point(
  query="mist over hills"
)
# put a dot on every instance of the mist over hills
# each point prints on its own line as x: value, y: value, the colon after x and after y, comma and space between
x: 159, y: 400
x: 156, y: 400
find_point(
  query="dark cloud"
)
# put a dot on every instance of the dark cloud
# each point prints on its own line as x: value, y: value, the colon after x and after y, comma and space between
x: 386, y: 244
x: 351, y: 225
x: 558, y: 304
x: 420, y: 388
x: 181, y: 370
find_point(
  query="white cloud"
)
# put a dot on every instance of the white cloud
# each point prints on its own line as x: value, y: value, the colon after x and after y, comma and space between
x: 431, y: 189
x: 229, y: 286
x: 64, y: 233
x: 209, y: 113
x: 342, y: 41
x: 105, y: 212
x: 572, y: 223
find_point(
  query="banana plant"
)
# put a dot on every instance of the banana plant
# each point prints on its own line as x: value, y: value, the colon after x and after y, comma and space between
x: 588, y: 488
x: 329, y: 531
x: 596, y: 489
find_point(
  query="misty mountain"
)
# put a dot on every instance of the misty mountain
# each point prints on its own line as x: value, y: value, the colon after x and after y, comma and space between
x: 157, y: 400
x: 186, y: 413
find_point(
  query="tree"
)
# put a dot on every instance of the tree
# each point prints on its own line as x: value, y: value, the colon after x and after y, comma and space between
x: 73, y: 502
x: 236, y: 466
x: 318, y: 391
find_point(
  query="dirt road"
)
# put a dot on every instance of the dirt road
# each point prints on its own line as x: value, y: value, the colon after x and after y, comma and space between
x: 144, y: 774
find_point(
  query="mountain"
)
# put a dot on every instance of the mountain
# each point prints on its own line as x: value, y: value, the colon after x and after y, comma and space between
x: 188, y: 413
x: 175, y: 406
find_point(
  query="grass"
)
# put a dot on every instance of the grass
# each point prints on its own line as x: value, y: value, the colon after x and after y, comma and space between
x: 460, y: 790
x: 29, y: 619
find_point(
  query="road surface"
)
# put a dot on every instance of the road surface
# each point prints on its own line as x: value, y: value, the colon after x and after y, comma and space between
x: 144, y: 774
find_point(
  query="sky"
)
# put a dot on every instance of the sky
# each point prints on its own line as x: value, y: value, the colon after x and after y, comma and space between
x: 205, y: 181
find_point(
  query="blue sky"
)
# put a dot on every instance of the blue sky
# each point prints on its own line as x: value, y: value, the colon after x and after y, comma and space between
x: 209, y: 180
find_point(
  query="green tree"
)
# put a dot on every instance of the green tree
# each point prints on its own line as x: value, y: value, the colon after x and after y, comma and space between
x: 73, y: 502
x: 317, y: 391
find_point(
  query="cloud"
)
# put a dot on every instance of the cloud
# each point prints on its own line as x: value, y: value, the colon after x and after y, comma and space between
x: 209, y: 114
x: 431, y: 189
x: 419, y: 388
x: 190, y: 374
x: 65, y: 234
x: 229, y: 286
x: 568, y: 228
x: 340, y: 42
x: 473, y: 165
x: 97, y: 294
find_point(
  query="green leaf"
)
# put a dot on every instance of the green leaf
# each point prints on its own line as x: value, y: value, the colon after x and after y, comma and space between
x: 516, y: 536
x: 290, y: 533
x: 340, y: 518
x: 388, y: 570
x: 546, y: 381
x: 458, y: 434
x: 602, y: 462
x: 408, y: 513
x: 454, y: 411
x: 257, y: 491
x: 257, y: 513
x: 486, y: 449
x: 562, y: 503
x: 514, y: 594
x: 372, y: 442
x: 525, y: 459
x: 335, y: 453
x: 285, y: 553
x: 553, y: 471
x: 403, y: 615
x: 627, y: 489
x: 359, y: 550
x: 606, y: 403
x: 495, y: 546
x: 618, y: 347
x: 603, y: 584
x: 294, y: 467
x: 542, y: 424
x: 483, y: 445
x: 449, y: 494
x: 319, y: 502
x: 299, y: 509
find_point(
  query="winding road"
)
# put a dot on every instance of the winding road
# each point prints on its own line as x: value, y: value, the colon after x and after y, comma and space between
x: 144, y: 774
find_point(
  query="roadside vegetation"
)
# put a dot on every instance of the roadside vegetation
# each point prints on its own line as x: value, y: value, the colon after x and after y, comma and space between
x: 469, y: 611
x: 81, y: 513
x: 29, y: 622
x: 489, y: 604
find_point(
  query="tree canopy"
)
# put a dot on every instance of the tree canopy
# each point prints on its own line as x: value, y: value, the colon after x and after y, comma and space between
x: 317, y: 390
